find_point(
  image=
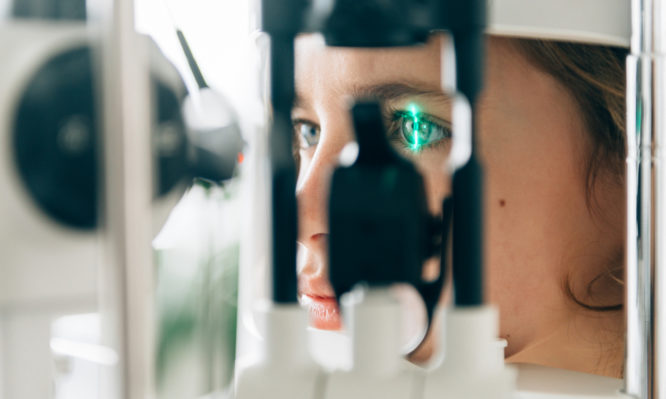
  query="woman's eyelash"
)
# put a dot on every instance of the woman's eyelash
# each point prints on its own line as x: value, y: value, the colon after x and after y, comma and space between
x: 398, y: 114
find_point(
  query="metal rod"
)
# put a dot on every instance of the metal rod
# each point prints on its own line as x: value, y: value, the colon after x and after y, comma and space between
x: 191, y: 61
x: 284, y: 208
x: 467, y: 21
x: 126, y: 276
x: 639, y: 230
x: 646, y: 264
x: 283, y: 20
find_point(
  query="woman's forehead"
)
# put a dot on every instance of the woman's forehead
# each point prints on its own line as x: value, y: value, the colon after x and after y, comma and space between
x: 342, y: 71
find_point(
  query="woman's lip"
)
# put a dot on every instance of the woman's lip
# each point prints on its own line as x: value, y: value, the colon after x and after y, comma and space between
x: 324, y: 312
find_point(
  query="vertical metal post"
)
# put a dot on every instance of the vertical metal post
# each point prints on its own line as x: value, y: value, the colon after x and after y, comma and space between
x: 126, y: 278
x: 282, y: 20
x: 659, y: 198
x: 467, y: 21
x: 646, y: 221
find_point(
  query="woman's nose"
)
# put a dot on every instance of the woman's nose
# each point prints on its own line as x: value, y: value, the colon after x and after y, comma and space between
x: 312, y: 194
x: 313, y: 188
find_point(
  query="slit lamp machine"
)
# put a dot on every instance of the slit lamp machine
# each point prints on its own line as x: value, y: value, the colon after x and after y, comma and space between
x: 117, y: 139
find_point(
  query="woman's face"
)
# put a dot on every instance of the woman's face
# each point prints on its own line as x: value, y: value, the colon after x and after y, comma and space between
x: 541, y: 235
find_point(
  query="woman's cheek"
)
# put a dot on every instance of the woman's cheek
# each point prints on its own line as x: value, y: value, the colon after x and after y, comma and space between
x: 303, y: 165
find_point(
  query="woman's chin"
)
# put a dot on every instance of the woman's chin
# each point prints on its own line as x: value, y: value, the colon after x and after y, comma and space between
x: 324, y: 312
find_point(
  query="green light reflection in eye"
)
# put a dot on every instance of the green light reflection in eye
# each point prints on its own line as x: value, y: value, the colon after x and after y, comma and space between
x: 414, y: 113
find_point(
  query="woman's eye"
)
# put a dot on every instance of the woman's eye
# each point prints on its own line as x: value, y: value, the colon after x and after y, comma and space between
x: 417, y: 131
x: 307, y: 133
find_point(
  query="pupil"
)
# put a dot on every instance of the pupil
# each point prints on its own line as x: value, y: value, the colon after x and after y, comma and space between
x: 425, y: 129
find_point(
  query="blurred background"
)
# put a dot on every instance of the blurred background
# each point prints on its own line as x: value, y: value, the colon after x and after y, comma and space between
x: 52, y: 307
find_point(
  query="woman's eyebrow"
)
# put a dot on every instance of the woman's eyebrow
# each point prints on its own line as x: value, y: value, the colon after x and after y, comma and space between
x: 393, y: 91
x: 387, y: 91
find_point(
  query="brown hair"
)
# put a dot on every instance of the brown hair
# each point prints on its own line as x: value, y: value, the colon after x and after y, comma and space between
x: 595, y: 76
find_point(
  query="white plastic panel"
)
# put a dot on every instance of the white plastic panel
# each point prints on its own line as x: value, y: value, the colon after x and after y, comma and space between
x: 606, y: 22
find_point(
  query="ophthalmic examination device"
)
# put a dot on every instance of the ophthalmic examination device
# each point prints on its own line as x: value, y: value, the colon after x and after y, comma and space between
x: 122, y: 175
